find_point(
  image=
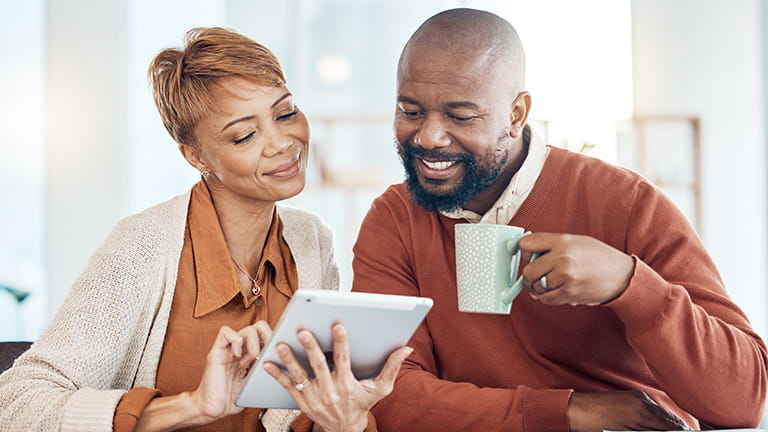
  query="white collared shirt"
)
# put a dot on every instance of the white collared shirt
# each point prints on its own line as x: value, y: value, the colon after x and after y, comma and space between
x: 518, y: 189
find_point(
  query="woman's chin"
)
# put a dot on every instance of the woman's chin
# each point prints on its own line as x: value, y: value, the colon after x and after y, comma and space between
x: 297, y: 185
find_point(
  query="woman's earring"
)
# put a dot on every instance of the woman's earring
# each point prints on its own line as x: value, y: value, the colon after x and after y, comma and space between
x: 206, y: 174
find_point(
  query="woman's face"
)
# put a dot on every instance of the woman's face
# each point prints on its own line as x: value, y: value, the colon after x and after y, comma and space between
x: 257, y: 147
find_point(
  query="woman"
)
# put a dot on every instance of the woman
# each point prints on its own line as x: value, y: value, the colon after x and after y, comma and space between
x: 145, y: 339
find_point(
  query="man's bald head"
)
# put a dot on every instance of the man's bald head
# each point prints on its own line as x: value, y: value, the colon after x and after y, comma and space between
x: 471, y: 34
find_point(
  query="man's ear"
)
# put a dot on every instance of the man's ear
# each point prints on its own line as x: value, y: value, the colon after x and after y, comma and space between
x: 192, y: 155
x: 521, y: 107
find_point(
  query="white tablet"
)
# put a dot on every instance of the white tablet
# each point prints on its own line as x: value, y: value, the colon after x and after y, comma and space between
x: 377, y: 324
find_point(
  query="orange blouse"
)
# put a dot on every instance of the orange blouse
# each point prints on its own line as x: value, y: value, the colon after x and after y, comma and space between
x: 209, y: 295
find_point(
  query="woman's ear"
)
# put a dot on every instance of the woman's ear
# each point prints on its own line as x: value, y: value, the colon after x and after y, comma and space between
x: 192, y: 155
x: 521, y: 107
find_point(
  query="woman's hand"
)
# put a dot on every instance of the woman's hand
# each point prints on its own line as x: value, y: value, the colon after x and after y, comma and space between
x: 226, y: 367
x: 335, y: 401
x: 227, y: 364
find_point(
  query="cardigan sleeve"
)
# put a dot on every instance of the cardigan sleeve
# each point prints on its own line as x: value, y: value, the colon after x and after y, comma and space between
x: 75, y: 374
x: 330, y: 267
x: 680, y: 319
x: 421, y: 400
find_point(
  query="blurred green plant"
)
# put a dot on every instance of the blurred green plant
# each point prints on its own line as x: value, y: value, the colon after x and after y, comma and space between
x: 18, y: 295
x: 584, y: 147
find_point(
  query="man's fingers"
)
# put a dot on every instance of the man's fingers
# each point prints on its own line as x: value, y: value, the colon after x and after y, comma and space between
x: 670, y: 420
x: 539, y: 242
x: 542, y: 265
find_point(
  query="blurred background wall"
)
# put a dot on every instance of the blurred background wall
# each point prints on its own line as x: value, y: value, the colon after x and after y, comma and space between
x: 672, y: 88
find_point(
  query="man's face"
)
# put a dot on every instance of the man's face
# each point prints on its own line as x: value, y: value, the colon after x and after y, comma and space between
x: 452, y: 127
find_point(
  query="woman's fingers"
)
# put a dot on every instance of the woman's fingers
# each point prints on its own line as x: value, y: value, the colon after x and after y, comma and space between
x: 228, y: 338
x: 287, y: 382
x: 278, y: 374
x: 341, y: 360
x: 251, y: 341
x: 294, y: 368
x: 385, y: 381
x: 264, y: 331
x: 316, y: 357
x: 345, y: 380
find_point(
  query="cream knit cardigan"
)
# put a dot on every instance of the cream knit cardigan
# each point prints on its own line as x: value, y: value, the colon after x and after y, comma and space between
x: 108, y: 335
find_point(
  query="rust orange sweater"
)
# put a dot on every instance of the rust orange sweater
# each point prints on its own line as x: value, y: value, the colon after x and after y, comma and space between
x: 674, y: 333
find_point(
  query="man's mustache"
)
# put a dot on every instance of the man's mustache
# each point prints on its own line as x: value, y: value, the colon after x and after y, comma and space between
x: 409, y: 151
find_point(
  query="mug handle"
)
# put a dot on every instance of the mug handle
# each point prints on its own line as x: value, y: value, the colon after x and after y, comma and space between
x: 514, y: 289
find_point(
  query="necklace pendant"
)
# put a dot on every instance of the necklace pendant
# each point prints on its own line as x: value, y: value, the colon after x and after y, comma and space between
x: 255, y: 289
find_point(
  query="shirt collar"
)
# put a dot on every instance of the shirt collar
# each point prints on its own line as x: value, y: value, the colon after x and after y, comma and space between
x: 512, y: 197
x: 215, y: 273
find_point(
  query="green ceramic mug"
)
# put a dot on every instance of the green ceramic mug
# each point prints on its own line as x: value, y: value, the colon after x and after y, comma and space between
x: 487, y: 259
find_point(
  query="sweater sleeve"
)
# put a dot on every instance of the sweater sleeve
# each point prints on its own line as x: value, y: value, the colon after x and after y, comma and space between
x: 421, y: 400
x: 680, y: 319
x: 75, y: 374
x: 303, y: 423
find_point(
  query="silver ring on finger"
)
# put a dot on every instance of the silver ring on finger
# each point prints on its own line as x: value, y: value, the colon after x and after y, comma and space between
x: 304, y: 384
x: 544, y: 286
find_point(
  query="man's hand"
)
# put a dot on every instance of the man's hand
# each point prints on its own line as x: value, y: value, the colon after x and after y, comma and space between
x: 619, y: 410
x: 579, y: 270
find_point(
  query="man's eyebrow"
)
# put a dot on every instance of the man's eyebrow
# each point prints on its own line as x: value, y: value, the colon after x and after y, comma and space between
x: 406, y: 99
x: 451, y: 105
x: 246, y: 118
x: 468, y: 105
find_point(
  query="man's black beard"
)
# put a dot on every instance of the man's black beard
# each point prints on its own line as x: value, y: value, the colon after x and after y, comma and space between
x: 476, y: 177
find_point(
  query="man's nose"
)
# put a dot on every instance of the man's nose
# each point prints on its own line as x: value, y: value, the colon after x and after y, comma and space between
x: 432, y: 133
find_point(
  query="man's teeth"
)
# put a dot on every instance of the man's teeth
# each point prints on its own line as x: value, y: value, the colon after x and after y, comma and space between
x: 441, y: 165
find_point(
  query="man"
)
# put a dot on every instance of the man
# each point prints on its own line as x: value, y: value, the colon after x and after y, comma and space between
x: 627, y: 325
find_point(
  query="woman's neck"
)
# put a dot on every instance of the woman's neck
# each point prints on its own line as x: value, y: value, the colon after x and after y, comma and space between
x: 245, y: 224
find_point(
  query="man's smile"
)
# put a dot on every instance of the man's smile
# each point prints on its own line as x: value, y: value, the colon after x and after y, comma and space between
x: 437, y: 170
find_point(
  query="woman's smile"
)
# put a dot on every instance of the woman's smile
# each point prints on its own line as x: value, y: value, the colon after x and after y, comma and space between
x: 287, y: 169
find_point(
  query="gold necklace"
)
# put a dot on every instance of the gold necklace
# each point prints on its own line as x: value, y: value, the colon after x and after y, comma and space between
x: 255, y: 288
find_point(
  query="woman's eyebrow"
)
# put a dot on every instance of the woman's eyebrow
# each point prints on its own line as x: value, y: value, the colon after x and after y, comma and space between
x: 250, y: 117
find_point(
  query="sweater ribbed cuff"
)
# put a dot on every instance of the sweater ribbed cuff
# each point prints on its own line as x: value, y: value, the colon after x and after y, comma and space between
x: 546, y: 410
x: 278, y: 420
x: 90, y: 409
x: 640, y: 305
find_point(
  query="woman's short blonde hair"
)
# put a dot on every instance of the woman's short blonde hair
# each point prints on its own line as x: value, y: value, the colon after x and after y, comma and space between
x: 183, y: 80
